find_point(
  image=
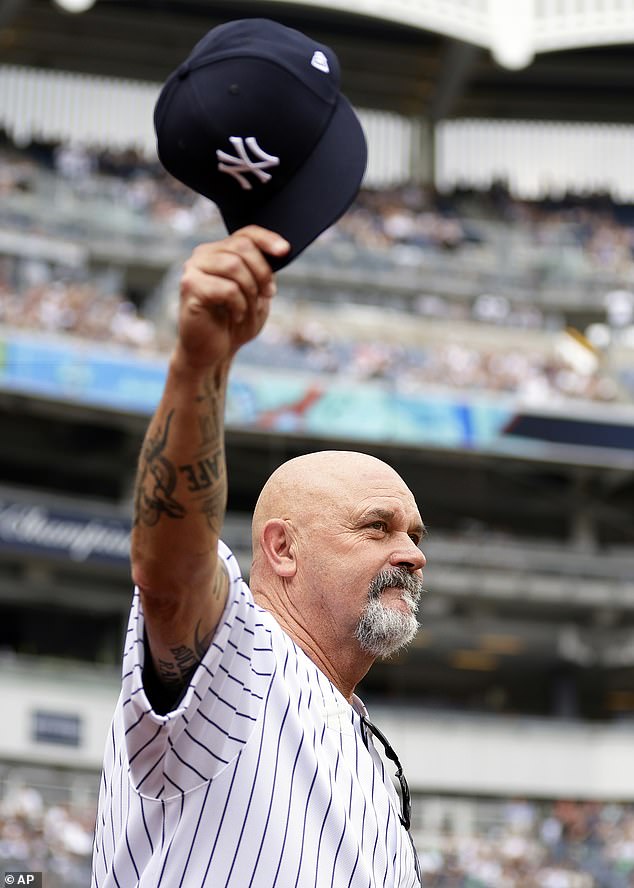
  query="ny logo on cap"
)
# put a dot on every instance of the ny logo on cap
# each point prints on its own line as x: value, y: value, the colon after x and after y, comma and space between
x: 236, y: 166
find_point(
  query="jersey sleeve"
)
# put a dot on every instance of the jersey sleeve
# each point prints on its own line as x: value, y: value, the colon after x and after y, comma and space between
x: 172, y: 753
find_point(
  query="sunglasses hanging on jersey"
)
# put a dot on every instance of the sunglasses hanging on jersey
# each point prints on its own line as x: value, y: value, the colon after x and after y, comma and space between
x: 406, y: 799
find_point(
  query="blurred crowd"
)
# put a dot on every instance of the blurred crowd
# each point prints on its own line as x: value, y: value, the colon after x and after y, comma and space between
x: 505, y: 844
x: 81, y: 308
x: 415, y: 216
x: 43, y: 296
x: 53, y: 839
x: 51, y: 304
x: 535, y: 374
x: 562, y: 845
x: 121, y: 180
x: 427, y: 219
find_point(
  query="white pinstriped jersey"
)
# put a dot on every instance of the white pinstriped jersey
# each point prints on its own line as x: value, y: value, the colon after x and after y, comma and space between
x: 259, y: 778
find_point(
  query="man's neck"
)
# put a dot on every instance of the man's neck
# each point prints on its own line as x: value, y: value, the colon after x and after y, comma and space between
x: 344, y: 668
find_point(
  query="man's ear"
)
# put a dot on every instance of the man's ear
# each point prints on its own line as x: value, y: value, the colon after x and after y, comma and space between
x: 278, y: 545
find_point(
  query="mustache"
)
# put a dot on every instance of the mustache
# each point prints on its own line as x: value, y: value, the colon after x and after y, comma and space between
x: 398, y: 578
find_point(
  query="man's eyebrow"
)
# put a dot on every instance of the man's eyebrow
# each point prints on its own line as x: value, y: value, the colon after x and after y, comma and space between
x: 377, y: 512
x: 388, y: 515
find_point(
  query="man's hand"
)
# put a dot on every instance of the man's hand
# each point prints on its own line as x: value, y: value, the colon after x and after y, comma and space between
x: 225, y: 295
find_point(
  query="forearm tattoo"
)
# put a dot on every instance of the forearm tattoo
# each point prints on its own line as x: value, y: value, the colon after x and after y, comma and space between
x: 210, y: 419
x: 157, y: 480
x: 213, y: 508
x: 204, y: 475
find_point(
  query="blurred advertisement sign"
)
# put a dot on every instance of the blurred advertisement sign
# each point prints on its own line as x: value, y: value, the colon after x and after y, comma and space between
x: 62, y: 534
x: 56, y: 727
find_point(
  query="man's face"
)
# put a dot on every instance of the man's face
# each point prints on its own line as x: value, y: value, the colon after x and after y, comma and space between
x: 364, y: 561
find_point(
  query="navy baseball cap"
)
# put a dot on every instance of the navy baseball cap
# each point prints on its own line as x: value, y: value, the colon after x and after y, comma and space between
x: 254, y: 120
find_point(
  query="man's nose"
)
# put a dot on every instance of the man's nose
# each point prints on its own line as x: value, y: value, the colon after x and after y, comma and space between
x: 410, y: 557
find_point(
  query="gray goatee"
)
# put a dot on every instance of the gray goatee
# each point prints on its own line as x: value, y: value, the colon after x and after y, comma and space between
x: 383, y: 630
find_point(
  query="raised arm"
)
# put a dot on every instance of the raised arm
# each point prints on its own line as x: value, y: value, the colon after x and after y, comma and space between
x: 181, y: 486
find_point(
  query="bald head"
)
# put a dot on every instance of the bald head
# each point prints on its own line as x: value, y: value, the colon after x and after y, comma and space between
x: 303, y: 487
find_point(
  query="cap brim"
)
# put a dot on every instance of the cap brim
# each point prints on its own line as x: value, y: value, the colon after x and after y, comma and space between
x: 319, y: 192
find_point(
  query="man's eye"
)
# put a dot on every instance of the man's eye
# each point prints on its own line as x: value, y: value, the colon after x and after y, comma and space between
x: 379, y: 525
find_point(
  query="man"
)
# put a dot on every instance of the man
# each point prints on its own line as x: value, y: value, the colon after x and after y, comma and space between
x: 239, y: 754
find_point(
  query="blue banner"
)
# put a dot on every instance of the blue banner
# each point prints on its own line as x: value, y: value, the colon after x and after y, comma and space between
x: 325, y: 406
x: 81, y: 373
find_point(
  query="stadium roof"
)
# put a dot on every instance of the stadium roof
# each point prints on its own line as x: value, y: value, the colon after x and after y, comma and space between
x: 405, y: 68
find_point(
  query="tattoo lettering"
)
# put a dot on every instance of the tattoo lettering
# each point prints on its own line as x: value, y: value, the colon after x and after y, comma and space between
x: 204, y: 473
x: 168, y: 673
x: 184, y: 660
x: 177, y: 671
x: 157, y: 481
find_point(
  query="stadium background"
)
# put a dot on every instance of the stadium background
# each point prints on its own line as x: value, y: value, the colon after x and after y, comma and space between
x: 470, y: 321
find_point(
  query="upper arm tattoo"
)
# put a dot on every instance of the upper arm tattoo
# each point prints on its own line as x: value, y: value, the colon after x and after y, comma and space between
x: 175, y: 671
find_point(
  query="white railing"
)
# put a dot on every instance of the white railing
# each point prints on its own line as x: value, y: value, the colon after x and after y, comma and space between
x: 471, y: 755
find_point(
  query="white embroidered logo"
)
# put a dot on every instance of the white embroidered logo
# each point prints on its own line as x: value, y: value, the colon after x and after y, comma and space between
x: 236, y: 166
x: 320, y: 61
